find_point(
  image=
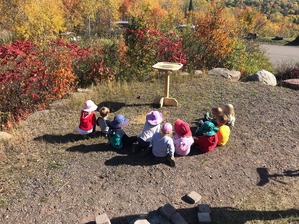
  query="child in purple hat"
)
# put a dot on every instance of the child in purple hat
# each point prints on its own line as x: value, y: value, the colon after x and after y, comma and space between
x: 151, y: 126
x: 117, y: 136
x: 162, y: 145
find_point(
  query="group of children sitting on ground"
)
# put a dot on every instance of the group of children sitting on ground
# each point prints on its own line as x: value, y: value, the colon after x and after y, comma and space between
x: 157, y: 137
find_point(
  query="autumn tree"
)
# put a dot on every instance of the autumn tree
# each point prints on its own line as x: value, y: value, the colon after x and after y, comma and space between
x: 213, y: 40
x: 33, y: 19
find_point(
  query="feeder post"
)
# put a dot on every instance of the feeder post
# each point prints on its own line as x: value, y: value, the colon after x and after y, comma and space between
x: 167, y: 81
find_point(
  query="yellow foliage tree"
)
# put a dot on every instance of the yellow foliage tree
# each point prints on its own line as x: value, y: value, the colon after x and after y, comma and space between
x: 250, y: 20
x: 39, y: 20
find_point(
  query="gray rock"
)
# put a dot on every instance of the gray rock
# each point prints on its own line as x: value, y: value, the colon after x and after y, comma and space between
x: 263, y: 76
x: 226, y: 73
x: 4, y: 136
x: 80, y: 90
x: 182, y: 73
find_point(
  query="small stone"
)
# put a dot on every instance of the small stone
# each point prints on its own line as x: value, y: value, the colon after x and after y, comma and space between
x: 204, y: 208
x: 176, y: 218
x: 198, y: 72
x: 193, y: 197
x: 167, y: 210
x: 226, y: 73
x: 80, y: 90
x: 141, y: 221
x: 102, y: 219
x: 4, y: 136
x: 291, y: 83
x: 204, y: 217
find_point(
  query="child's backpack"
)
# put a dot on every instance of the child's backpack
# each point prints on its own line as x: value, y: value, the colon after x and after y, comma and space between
x: 115, y: 139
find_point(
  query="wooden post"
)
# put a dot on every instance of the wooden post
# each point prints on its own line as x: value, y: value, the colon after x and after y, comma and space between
x: 166, y: 89
x: 166, y: 67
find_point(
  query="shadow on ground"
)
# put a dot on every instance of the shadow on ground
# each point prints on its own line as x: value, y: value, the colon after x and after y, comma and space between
x: 101, y: 147
x: 70, y: 137
x: 265, y: 176
x: 294, y: 42
x: 139, y: 159
x: 218, y: 215
x: 115, y: 106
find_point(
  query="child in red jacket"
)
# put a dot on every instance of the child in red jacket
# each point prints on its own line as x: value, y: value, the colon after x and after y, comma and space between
x: 87, y: 118
x: 209, y: 140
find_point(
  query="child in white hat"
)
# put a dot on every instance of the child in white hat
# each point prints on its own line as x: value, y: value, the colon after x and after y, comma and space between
x: 87, y: 118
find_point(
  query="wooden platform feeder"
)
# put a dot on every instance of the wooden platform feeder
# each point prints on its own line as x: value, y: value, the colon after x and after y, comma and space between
x: 167, y: 67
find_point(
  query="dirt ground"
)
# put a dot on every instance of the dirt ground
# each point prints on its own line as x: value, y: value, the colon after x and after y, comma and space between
x: 49, y: 174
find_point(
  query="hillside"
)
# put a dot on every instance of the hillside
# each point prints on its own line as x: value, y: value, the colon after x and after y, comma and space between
x: 49, y: 174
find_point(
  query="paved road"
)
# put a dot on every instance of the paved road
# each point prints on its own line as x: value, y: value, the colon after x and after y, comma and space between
x: 279, y: 54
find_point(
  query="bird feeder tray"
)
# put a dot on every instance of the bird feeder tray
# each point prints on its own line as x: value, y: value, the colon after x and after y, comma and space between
x: 166, y: 67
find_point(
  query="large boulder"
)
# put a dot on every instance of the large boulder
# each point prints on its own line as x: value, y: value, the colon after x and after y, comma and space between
x: 4, y: 136
x: 291, y: 83
x: 264, y: 77
x: 226, y: 73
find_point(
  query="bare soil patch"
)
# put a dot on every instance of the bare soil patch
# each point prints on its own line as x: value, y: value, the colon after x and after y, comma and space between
x: 49, y: 174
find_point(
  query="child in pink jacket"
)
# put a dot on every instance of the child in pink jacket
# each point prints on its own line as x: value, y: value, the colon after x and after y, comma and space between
x: 182, y: 138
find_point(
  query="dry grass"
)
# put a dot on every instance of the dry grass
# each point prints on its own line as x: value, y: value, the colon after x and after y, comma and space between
x: 46, y: 147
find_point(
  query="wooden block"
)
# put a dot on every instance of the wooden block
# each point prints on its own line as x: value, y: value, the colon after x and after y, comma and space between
x: 170, y: 102
x: 102, y: 219
x: 204, y: 208
x: 167, y: 210
x: 176, y: 218
x: 193, y: 197
x: 159, y: 101
x: 141, y: 221
x: 204, y: 217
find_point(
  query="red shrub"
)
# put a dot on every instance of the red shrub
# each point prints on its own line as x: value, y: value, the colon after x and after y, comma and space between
x: 29, y: 78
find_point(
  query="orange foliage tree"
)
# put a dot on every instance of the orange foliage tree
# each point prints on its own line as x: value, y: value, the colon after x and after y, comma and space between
x: 213, y: 39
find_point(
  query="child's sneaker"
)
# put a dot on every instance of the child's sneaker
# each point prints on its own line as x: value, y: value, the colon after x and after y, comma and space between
x: 207, y: 116
x: 200, y: 123
x: 145, y: 151
x: 171, y: 161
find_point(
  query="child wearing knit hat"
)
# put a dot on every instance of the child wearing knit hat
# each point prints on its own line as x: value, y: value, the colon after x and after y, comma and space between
x: 162, y: 145
x: 182, y: 138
